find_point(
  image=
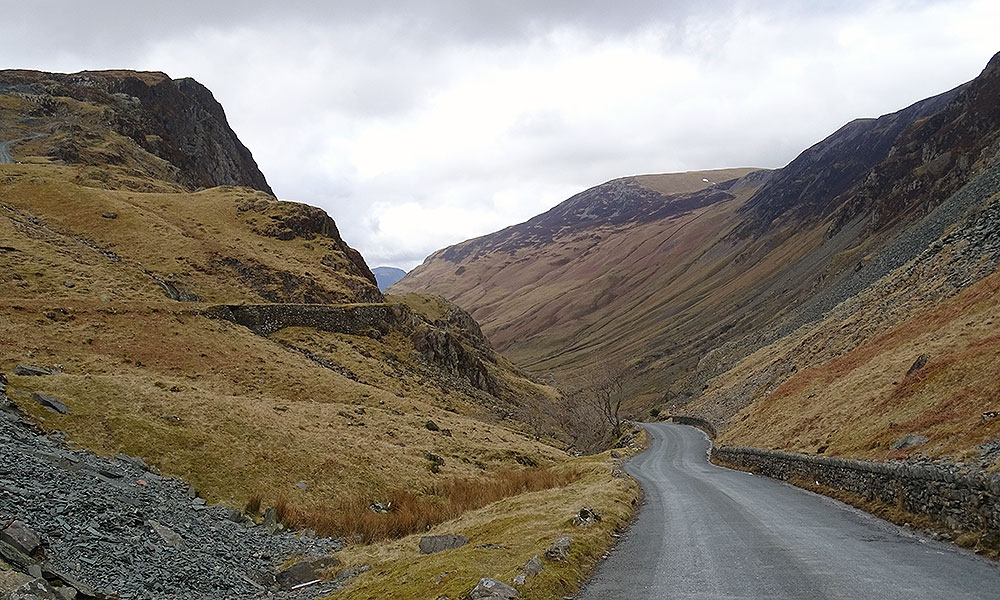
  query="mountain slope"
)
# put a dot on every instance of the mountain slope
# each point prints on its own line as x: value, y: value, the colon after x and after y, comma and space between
x: 160, y: 303
x: 713, y: 304
x: 225, y: 336
x: 545, y: 290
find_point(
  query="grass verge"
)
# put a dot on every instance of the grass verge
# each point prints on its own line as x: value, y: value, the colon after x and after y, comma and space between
x: 503, y: 536
x: 412, y: 512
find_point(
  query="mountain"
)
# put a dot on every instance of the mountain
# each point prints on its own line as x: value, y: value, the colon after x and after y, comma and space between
x: 387, y: 276
x: 725, y: 300
x: 563, y: 291
x: 161, y: 305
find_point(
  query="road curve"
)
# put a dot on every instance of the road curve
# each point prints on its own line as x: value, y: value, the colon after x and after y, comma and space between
x: 711, y: 533
x: 5, y: 156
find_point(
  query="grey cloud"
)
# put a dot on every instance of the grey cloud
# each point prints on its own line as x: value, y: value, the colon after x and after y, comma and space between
x: 301, y: 81
x: 100, y: 28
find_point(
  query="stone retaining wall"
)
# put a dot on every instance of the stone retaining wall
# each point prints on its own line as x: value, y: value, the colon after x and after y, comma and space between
x: 352, y: 319
x: 960, y: 500
x: 702, y: 424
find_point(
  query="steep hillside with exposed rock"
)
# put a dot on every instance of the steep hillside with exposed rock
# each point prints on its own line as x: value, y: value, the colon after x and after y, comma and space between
x: 734, y: 303
x: 143, y: 122
x: 160, y: 304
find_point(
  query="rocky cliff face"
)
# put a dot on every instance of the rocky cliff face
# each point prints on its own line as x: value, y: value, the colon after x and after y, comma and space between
x: 933, y: 157
x: 176, y: 120
x: 290, y: 220
x: 811, y: 186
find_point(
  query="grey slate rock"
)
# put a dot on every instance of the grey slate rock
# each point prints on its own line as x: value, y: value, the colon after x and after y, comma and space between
x: 909, y: 441
x: 133, y: 460
x: 169, y: 535
x: 37, y: 589
x: 920, y: 363
x: 586, y: 517
x: 431, y: 544
x: 491, y: 589
x: 50, y: 403
x: 305, y: 571
x: 32, y: 371
x: 15, y: 556
x: 270, y: 523
x: 66, y: 593
x: 559, y: 550
x: 21, y: 537
x: 533, y: 566
x: 92, y: 515
x: 51, y: 572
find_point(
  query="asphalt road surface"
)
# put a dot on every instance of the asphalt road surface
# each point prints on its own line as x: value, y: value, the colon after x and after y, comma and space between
x: 5, y: 156
x: 711, y: 533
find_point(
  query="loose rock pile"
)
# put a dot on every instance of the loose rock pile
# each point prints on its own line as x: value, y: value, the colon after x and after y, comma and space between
x: 111, y: 528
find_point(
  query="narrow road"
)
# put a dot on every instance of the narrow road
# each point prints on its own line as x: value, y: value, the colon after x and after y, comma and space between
x: 5, y: 156
x: 711, y: 533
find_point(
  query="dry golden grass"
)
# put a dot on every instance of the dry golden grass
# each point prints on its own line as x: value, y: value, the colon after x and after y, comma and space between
x: 181, y: 237
x: 416, y: 511
x: 206, y: 400
x: 247, y: 413
x: 859, y: 403
x: 503, y: 536
x: 246, y: 419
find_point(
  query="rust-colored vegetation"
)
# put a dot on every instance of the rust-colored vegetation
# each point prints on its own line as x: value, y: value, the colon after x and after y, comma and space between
x: 411, y: 512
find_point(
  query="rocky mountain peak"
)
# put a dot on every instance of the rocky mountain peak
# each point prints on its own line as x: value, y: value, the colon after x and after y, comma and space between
x: 175, y: 120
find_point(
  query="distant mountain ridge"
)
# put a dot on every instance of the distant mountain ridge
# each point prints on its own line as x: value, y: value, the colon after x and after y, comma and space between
x: 387, y: 276
x: 629, y: 200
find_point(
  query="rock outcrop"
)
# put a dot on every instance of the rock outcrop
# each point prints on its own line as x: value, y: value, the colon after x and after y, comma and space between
x: 176, y: 120
x: 290, y: 220
x: 432, y: 544
x: 492, y: 589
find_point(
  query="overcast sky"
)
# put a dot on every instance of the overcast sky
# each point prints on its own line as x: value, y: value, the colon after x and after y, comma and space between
x: 419, y: 124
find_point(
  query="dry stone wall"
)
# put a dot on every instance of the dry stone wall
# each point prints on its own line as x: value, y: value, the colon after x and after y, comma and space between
x: 352, y: 319
x: 702, y: 424
x: 958, y: 498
